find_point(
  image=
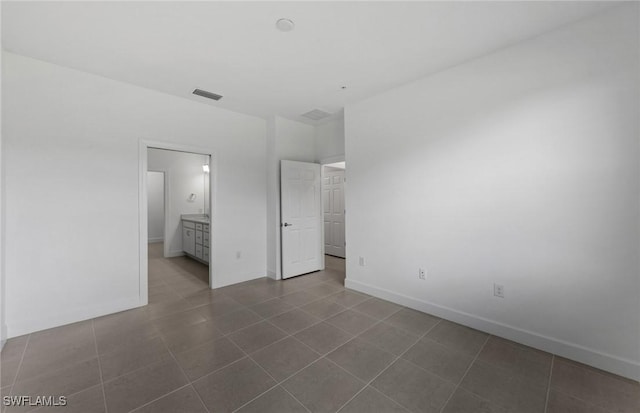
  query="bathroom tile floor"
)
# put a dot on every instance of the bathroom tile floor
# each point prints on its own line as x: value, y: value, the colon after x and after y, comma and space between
x: 305, y: 344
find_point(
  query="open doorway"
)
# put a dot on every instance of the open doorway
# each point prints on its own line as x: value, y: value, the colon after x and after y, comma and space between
x: 176, y: 195
x: 178, y: 219
x: 334, y: 211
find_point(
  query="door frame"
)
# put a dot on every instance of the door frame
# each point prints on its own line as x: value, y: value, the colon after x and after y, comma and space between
x: 143, y: 146
x: 323, y: 162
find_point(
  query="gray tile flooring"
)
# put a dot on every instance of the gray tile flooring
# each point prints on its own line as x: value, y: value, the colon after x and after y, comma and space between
x: 301, y: 345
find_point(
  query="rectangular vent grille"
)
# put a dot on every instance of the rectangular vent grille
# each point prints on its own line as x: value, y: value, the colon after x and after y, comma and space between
x: 206, y: 94
x: 316, y: 114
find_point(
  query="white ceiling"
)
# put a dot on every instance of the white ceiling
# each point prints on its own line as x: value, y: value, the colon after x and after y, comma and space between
x: 234, y: 49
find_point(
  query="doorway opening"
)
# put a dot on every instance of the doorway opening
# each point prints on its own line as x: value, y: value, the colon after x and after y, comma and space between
x: 176, y: 197
x: 333, y: 212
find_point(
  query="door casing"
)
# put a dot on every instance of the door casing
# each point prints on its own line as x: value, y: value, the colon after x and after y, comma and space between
x: 143, y: 273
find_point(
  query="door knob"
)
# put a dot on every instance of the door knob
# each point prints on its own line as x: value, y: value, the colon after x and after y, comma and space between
x: 286, y: 224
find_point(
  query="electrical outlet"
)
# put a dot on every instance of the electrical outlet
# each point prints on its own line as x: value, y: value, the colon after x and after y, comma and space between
x: 498, y: 290
x: 361, y: 261
x: 422, y: 273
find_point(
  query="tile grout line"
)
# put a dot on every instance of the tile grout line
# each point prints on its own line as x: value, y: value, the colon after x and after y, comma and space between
x: 546, y: 401
x: 15, y: 379
x: 95, y: 343
x: 136, y: 370
x: 226, y: 336
x: 320, y: 356
x: 191, y: 307
x: 352, y: 338
x: 160, y: 397
x: 189, y: 382
x: 378, y: 322
x: 217, y: 370
x: 398, y: 357
x: 277, y: 383
x: 587, y: 402
x: 465, y: 373
x: 316, y: 298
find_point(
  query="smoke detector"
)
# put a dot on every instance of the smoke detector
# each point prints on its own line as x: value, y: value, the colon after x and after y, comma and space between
x: 316, y: 114
x: 285, y: 25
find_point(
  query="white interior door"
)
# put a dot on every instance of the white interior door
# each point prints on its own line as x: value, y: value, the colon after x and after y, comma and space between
x: 333, y: 207
x: 301, y: 217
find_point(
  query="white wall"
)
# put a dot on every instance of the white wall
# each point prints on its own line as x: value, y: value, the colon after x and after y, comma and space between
x: 519, y: 168
x: 329, y: 139
x: 155, y: 206
x: 288, y: 140
x: 71, y: 143
x: 185, y: 177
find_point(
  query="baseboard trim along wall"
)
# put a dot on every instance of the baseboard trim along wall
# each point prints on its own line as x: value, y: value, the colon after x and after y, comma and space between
x: 173, y: 254
x: 155, y: 240
x: 607, y: 362
x: 42, y: 323
x: 249, y: 276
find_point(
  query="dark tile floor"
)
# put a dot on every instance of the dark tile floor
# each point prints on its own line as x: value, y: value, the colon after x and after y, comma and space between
x: 301, y: 345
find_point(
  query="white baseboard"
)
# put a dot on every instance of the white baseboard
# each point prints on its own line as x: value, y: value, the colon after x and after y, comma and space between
x: 172, y: 254
x: 155, y: 240
x: 239, y: 278
x: 623, y: 367
x: 272, y: 275
x: 27, y: 326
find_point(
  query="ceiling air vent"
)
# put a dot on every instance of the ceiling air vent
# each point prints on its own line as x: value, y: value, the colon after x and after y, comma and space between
x: 316, y: 114
x: 206, y: 94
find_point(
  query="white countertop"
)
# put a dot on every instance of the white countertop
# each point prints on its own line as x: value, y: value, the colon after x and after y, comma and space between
x: 199, y: 218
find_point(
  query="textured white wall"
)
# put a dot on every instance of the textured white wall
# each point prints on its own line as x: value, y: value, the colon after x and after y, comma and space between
x: 185, y: 177
x: 329, y: 139
x: 519, y: 168
x: 71, y: 143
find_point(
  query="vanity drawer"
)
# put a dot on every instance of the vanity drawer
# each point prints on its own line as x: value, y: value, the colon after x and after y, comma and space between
x: 188, y: 224
x: 205, y: 227
x: 199, y: 251
x: 205, y: 254
x: 199, y: 227
x: 198, y: 237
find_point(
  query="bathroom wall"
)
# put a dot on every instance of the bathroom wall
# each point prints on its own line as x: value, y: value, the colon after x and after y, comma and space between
x: 185, y: 179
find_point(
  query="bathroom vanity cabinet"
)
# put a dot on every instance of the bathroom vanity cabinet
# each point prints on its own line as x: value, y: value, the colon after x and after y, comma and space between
x: 195, y: 237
